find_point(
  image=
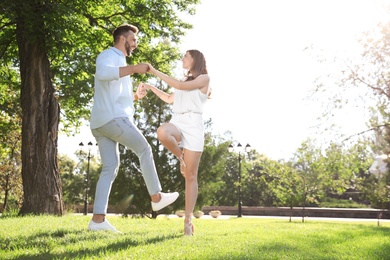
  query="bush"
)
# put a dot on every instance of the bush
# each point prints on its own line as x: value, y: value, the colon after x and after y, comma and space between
x: 338, y: 203
x: 10, y: 213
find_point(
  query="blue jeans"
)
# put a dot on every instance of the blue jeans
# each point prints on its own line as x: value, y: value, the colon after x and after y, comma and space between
x: 123, y: 131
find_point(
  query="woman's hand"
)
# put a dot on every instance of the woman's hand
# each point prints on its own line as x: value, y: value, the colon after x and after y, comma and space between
x: 151, y: 69
x: 141, y: 90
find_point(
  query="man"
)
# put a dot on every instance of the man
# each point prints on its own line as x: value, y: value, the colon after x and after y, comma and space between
x: 112, y: 123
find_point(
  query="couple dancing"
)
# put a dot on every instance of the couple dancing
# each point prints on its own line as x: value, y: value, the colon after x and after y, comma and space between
x: 112, y: 123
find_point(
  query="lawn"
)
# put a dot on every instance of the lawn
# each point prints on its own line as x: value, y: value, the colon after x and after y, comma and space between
x: 49, y: 237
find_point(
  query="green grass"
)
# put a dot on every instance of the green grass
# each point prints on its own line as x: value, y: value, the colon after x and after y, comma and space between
x: 49, y: 237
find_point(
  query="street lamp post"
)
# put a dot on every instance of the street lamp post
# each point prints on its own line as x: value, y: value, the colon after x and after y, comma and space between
x: 239, y: 148
x: 87, y: 177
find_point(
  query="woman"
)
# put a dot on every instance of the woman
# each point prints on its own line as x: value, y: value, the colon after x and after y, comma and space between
x: 184, y: 134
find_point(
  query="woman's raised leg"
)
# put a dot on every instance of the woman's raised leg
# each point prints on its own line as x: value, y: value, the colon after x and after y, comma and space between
x: 170, y: 137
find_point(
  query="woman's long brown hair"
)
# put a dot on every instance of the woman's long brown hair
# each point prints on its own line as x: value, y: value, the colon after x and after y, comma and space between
x: 199, y: 66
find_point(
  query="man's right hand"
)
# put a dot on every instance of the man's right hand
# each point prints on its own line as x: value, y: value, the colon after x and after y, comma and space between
x: 140, y: 68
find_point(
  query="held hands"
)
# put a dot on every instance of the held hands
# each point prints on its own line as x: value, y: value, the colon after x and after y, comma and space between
x: 151, y: 69
x: 143, y: 87
x: 141, y: 90
x: 141, y: 68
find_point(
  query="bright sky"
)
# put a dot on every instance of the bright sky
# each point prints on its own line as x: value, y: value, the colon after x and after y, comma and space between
x: 260, y: 73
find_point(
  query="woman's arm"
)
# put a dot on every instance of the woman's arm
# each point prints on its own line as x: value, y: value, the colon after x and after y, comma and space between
x: 167, y: 98
x: 201, y: 82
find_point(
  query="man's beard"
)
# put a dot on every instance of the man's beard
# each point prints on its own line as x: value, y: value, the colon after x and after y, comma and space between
x: 128, y: 49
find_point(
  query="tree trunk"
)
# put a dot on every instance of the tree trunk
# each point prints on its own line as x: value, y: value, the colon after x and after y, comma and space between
x: 40, y: 119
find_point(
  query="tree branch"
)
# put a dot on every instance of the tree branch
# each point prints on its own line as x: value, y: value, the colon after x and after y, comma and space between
x: 365, y: 131
x: 355, y: 77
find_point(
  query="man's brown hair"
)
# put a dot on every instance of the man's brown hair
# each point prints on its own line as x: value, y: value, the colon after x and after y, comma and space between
x: 124, y: 30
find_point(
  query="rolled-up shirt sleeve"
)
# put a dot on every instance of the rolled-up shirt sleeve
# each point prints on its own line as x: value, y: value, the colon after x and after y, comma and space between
x: 105, y: 69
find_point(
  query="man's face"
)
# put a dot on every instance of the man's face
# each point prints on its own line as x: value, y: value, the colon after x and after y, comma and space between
x: 130, y: 43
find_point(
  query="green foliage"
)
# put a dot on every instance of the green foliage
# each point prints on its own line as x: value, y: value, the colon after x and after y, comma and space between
x: 340, y: 203
x: 77, y: 31
x: 73, y: 181
x: 364, y: 83
x: 308, y: 165
x: 48, y: 237
x: 227, y: 195
x: 68, y: 36
x: 73, y: 177
x: 376, y: 190
x: 265, y: 182
x: 262, y: 173
x: 212, y: 169
x: 73, y: 33
x: 10, y: 138
x: 10, y: 212
x: 332, y: 171
x: 287, y: 185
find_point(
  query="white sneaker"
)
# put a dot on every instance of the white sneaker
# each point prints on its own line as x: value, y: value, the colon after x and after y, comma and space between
x: 105, y: 225
x: 166, y: 199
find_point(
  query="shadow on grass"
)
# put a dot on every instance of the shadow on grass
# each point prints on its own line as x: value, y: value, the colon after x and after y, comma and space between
x: 75, y: 243
x: 332, y: 244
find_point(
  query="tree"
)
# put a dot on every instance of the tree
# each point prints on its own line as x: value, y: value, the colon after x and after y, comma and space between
x: 73, y: 177
x: 287, y: 186
x: 53, y: 46
x: 10, y: 139
x: 227, y: 195
x: 306, y: 163
x: 72, y: 181
x: 257, y: 181
x: 212, y: 168
x: 369, y: 77
x: 10, y: 181
x: 336, y: 171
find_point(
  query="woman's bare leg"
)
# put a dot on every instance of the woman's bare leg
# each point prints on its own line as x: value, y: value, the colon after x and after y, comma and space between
x: 192, y: 160
x: 170, y: 137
